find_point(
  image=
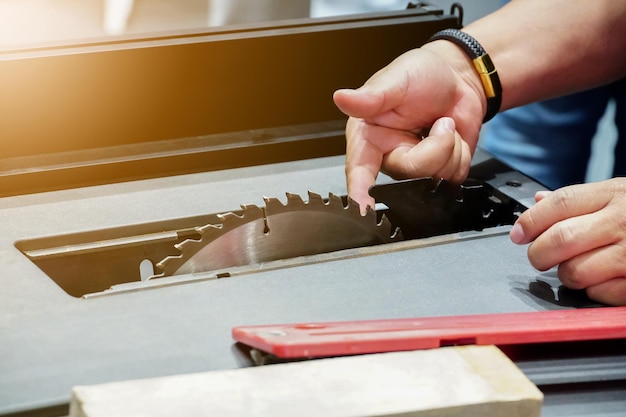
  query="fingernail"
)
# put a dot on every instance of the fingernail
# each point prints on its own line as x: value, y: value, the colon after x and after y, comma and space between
x: 347, y: 91
x: 517, y: 234
x: 443, y: 126
x: 540, y: 195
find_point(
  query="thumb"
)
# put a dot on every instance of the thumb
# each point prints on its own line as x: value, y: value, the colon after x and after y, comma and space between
x: 442, y: 127
x: 361, y: 103
x: 382, y: 92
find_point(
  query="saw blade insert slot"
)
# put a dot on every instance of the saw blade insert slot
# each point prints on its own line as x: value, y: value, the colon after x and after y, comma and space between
x: 278, y: 235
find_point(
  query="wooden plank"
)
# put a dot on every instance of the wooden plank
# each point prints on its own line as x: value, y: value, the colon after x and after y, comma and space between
x: 463, y: 381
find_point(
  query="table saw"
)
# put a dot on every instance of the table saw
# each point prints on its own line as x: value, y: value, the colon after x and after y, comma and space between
x: 117, y: 155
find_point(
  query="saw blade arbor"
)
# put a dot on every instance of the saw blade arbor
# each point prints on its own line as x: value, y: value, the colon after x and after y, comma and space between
x: 279, y: 231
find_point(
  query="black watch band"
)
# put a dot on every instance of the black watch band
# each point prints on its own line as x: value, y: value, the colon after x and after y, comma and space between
x: 483, y: 64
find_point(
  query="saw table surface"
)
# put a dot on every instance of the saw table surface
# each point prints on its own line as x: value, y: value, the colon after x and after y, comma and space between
x: 51, y: 341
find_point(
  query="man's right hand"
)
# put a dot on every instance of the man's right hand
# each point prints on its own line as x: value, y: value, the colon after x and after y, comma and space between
x: 419, y: 116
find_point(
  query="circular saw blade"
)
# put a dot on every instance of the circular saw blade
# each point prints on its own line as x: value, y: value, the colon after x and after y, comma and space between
x: 279, y: 231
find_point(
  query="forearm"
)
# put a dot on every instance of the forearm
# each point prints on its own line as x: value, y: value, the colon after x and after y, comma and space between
x: 544, y: 49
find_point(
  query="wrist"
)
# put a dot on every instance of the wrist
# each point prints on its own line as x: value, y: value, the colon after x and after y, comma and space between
x: 476, y: 67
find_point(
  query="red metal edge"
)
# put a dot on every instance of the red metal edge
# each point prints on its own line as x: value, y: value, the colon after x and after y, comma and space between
x: 323, y: 339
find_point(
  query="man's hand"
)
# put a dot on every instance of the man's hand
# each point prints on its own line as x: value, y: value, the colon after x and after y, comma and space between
x: 419, y: 116
x: 582, y: 229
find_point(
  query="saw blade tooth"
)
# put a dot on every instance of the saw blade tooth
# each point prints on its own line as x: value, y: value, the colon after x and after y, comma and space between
x: 229, y: 217
x: 355, y: 209
x: 294, y: 199
x: 203, y: 229
x: 383, y: 220
x: 181, y: 245
x: 155, y: 276
x: 335, y: 200
x: 272, y: 201
x: 251, y: 210
x: 385, y: 225
x: 315, y: 199
x: 394, y: 233
x: 353, y: 205
x: 274, y: 206
x: 162, y: 264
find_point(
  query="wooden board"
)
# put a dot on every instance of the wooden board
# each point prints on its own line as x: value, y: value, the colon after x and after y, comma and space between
x: 463, y: 381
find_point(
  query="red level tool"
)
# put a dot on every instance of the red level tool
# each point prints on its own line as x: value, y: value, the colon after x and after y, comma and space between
x: 372, y: 336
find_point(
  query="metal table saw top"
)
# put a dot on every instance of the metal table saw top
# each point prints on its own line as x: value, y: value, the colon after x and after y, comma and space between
x: 52, y: 341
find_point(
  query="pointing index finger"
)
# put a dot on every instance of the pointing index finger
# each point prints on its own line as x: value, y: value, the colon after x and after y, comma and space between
x: 363, y: 162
